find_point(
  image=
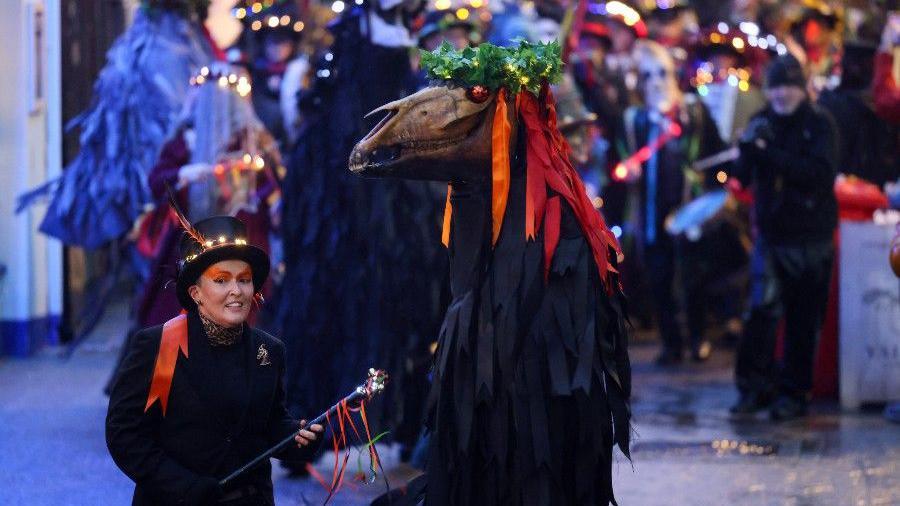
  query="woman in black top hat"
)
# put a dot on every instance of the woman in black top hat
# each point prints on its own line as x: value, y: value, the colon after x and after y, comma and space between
x: 201, y: 395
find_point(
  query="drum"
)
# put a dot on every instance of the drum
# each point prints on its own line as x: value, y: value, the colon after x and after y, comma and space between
x: 712, y: 235
x: 702, y: 214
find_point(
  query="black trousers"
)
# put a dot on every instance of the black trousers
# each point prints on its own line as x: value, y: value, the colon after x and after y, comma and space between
x: 791, y: 281
x: 660, y: 260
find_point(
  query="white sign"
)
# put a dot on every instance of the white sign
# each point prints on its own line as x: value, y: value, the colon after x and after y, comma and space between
x: 869, y: 316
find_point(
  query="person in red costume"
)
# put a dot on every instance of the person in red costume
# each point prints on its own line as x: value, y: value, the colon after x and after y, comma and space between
x: 220, y: 161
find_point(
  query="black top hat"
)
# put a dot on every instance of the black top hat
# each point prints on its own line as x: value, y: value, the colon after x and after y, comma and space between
x: 213, y: 240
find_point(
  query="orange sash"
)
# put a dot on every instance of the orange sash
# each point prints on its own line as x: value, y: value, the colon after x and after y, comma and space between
x: 174, y: 337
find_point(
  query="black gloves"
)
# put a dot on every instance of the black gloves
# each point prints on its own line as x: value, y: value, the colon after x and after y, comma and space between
x: 758, y: 129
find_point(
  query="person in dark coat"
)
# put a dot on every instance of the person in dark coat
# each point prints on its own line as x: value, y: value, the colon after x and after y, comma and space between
x: 788, y: 152
x: 867, y: 142
x: 203, y: 394
x: 674, y: 130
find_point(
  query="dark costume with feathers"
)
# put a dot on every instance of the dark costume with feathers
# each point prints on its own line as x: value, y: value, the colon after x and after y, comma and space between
x: 531, y: 375
x: 137, y: 99
x: 364, y: 269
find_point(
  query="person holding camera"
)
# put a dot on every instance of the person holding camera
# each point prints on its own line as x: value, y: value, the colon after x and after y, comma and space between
x: 788, y: 153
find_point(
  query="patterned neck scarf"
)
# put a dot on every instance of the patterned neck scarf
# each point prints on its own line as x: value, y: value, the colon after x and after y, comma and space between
x: 220, y: 335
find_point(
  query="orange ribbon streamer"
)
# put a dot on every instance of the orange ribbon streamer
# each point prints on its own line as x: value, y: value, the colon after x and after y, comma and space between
x: 500, y: 133
x: 174, y: 338
x: 448, y: 213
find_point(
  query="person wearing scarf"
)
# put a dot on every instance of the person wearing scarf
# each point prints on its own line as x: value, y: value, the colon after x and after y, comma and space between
x: 201, y: 395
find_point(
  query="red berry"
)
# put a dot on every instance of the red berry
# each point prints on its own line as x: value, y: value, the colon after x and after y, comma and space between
x: 478, y: 93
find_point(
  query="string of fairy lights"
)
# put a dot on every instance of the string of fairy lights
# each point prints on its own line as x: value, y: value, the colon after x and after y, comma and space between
x: 746, y: 35
x: 238, y: 83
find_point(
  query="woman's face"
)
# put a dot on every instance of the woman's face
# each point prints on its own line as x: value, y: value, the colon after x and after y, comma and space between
x: 660, y: 87
x: 224, y: 292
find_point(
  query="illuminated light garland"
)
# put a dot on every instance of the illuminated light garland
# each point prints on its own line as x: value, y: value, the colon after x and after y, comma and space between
x: 240, y: 84
x: 494, y: 67
x: 737, y: 77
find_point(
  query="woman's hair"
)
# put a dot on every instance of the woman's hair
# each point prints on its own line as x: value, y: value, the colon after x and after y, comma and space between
x: 648, y: 49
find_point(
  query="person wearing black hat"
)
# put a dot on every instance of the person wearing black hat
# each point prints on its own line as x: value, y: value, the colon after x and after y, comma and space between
x: 201, y: 395
x: 447, y: 25
x: 788, y: 152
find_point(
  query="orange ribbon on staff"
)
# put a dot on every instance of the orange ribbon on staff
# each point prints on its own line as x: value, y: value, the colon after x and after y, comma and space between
x: 174, y: 337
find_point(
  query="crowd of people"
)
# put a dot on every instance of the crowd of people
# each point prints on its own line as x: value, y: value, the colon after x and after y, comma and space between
x: 709, y: 135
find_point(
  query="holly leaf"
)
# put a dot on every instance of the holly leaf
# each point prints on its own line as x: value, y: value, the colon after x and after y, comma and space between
x: 525, y: 65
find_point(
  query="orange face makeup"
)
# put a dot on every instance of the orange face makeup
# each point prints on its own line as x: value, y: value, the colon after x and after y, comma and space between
x: 224, y: 293
x: 213, y: 273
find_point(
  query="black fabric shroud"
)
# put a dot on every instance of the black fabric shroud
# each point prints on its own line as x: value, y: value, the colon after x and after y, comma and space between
x: 531, y: 377
x: 365, y: 273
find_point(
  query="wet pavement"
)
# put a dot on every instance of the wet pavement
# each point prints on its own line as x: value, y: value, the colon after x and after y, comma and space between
x: 687, y: 451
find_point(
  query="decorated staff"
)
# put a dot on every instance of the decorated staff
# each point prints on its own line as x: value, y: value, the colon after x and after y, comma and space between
x: 355, y: 401
x: 531, y: 373
x: 202, y: 394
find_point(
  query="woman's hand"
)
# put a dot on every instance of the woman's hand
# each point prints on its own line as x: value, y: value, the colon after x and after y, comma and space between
x: 308, y: 435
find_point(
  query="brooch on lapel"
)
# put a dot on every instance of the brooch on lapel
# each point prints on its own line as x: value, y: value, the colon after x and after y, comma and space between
x: 263, y: 355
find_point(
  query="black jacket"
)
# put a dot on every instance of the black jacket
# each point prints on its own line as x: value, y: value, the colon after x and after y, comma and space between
x: 794, y: 174
x: 176, y: 458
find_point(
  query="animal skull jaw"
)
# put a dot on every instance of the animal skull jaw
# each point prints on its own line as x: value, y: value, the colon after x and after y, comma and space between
x: 436, y: 134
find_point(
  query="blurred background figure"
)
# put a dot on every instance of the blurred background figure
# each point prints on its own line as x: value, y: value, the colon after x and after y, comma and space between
x: 365, y: 274
x: 789, y: 152
x: 817, y: 30
x: 276, y: 33
x: 454, y: 26
x: 664, y: 137
x: 674, y: 24
x: 724, y: 77
x: 867, y: 143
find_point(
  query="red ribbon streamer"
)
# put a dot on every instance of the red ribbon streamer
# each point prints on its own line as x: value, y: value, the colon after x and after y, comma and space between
x: 339, y: 438
x: 549, y: 167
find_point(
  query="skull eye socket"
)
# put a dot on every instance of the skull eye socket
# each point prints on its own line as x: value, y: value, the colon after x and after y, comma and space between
x: 478, y: 94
